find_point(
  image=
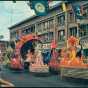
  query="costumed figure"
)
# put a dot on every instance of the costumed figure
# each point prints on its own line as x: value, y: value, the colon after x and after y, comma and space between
x: 73, y: 60
x: 38, y: 65
x: 29, y: 58
x: 16, y: 61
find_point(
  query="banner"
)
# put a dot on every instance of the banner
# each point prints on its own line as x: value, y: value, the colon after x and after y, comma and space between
x: 41, y: 7
x: 78, y: 11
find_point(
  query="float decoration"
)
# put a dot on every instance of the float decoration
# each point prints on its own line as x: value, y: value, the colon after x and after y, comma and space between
x: 70, y: 65
x: 72, y: 61
x: 15, y: 62
x: 38, y: 66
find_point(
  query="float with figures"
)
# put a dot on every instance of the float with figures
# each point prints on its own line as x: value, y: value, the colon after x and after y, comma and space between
x: 28, y: 55
x: 72, y: 62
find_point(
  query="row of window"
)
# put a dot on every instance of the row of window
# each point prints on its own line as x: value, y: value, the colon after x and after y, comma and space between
x: 29, y: 30
x: 47, y: 37
x: 83, y: 31
x: 45, y: 26
x: 49, y: 24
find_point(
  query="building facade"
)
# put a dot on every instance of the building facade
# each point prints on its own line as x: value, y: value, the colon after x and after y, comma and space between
x: 56, y: 25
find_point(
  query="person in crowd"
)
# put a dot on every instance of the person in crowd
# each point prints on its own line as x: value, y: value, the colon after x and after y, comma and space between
x: 79, y: 53
x: 54, y: 53
x: 59, y: 55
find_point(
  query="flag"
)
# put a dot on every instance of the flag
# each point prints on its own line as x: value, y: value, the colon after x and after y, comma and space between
x: 78, y: 11
x: 41, y: 7
x: 64, y: 7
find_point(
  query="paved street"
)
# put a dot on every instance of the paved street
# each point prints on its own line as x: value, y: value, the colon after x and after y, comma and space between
x: 25, y: 79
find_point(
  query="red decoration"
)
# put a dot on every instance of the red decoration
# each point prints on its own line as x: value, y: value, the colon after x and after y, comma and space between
x: 72, y: 40
x: 53, y: 44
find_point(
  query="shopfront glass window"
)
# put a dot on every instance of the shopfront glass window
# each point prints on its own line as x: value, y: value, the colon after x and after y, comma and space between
x: 51, y: 23
x: 73, y: 31
x: 61, y: 35
x: 39, y: 27
x: 71, y: 17
x: 83, y: 30
x: 46, y: 24
x: 61, y: 19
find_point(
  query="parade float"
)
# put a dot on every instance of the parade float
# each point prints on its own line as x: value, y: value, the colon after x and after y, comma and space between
x: 71, y: 64
x: 39, y: 67
x: 23, y: 46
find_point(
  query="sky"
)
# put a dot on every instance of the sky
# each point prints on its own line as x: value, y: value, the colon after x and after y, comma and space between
x: 12, y: 13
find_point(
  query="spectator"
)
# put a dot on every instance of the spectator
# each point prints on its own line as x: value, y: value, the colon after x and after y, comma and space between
x: 59, y: 55
x: 79, y: 51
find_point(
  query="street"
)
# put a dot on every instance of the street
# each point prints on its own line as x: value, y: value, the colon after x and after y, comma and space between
x: 25, y: 79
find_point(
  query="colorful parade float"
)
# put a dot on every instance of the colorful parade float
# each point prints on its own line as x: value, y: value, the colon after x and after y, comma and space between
x: 72, y: 64
x: 28, y: 55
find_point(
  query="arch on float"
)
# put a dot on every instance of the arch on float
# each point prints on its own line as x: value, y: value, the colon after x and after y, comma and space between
x: 26, y: 42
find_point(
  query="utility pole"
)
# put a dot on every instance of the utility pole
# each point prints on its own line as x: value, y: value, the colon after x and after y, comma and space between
x: 65, y: 11
x: 66, y: 28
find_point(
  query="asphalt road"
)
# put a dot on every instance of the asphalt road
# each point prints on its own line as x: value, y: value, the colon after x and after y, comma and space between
x: 25, y: 79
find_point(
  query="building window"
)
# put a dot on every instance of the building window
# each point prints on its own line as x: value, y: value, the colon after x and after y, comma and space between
x: 46, y: 25
x: 73, y: 31
x: 30, y: 30
x: 61, y: 35
x: 71, y: 17
x: 47, y: 37
x: 13, y: 35
x: 39, y: 27
x: 85, y: 11
x: 61, y: 19
x: 51, y: 23
x: 83, y: 30
x: 43, y: 26
x: 50, y: 36
x: 24, y: 32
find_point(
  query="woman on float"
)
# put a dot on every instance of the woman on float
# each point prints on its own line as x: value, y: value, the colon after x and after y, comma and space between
x: 29, y: 59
